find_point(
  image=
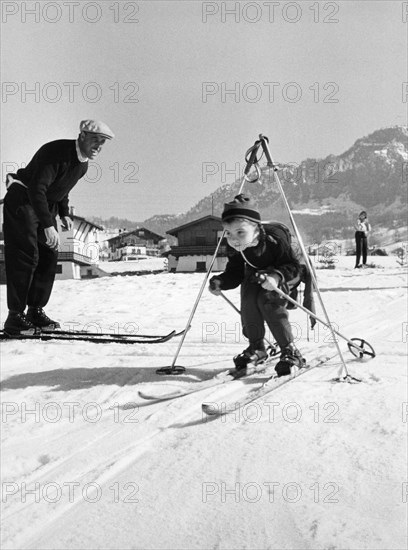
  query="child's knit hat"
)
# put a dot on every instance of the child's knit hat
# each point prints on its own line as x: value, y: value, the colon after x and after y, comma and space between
x: 241, y: 207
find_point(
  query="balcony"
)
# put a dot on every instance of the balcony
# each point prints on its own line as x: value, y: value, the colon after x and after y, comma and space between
x: 76, y: 258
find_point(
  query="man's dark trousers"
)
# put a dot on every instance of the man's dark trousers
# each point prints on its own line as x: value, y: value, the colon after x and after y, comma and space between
x: 30, y: 263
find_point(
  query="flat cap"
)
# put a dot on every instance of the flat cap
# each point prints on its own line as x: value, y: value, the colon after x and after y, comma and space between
x: 96, y: 127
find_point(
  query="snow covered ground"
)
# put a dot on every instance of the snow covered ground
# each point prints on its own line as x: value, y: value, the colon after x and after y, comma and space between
x: 86, y: 463
x: 141, y: 265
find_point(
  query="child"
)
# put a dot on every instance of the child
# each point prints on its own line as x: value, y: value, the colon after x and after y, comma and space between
x: 362, y: 227
x: 262, y: 260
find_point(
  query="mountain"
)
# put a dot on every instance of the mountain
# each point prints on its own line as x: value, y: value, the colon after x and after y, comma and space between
x: 326, y: 194
x: 116, y: 223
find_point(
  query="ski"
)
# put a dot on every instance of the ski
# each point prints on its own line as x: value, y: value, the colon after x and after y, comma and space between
x: 108, y: 334
x: 273, y: 383
x: 221, y: 378
x: 95, y: 339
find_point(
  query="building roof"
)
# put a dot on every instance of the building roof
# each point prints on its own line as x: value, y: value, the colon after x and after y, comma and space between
x: 135, y: 231
x: 176, y: 230
x: 79, y: 218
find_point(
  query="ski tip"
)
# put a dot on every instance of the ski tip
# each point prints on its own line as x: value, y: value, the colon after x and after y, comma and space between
x: 170, y: 335
x: 146, y: 396
x: 163, y: 397
x: 209, y: 409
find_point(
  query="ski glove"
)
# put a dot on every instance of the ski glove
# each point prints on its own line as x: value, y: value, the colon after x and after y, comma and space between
x: 214, y: 286
x: 268, y: 281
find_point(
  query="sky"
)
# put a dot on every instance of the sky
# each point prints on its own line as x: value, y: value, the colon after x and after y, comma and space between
x: 187, y: 86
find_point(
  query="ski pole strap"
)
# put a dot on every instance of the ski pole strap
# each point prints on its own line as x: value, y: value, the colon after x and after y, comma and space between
x: 251, y: 158
x: 257, y: 177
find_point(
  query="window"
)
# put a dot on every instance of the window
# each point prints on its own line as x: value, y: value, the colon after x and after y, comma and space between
x: 201, y: 266
x: 59, y: 268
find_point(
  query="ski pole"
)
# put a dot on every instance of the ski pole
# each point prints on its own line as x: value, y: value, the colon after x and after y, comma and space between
x: 311, y: 314
x: 274, y: 167
x: 230, y: 303
x: 272, y: 346
x: 251, y: 160
x: 261, y: 277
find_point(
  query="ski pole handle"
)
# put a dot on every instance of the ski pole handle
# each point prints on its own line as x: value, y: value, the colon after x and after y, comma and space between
x: 261, y: 277
x: 264, y: 142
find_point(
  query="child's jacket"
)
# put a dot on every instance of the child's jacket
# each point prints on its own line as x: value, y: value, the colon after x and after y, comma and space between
x: 273, y: 254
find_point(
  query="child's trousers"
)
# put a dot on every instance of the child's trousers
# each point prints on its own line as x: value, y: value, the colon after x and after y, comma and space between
x: 258, y: 306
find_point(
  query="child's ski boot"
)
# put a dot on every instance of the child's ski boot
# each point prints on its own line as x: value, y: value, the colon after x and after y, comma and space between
x: 290, y: 358
x: 252, y: 357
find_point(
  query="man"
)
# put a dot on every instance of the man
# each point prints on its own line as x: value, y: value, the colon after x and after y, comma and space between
x: 35, y: 195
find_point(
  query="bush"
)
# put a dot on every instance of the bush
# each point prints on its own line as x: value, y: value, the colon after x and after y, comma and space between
x: 379, y: 252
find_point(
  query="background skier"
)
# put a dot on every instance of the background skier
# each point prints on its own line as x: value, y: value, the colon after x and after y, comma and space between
x: 362, y: 228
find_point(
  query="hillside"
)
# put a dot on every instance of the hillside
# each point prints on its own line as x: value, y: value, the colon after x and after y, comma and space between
x: 116, y: 223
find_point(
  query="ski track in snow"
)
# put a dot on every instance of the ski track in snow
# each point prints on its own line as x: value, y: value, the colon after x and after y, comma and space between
x: 261, y: 477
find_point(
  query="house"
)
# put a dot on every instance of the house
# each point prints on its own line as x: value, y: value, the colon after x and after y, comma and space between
x: 128, y: 245
x: 79, y: 250
x: 197, y: 241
